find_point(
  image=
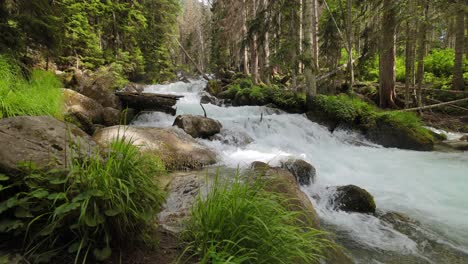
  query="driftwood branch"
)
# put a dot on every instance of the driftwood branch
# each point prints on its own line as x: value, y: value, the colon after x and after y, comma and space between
x: 204, y: 111
x: 434, y: 105
x: 192, y: 60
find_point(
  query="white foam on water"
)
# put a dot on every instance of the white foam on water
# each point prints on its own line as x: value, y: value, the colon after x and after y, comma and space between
x: 428, y: 186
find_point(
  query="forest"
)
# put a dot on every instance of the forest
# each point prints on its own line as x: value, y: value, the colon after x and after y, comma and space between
x: 233, y: 131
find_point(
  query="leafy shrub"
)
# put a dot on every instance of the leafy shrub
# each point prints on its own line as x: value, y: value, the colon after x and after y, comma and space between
x: 440, y: 62
x: 97, y: 204
x: 242, y: 223
x: 40, y: 95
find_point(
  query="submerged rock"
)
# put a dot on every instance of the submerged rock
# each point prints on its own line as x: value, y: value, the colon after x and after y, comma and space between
x: 351, y: 198
x: 42, y: 142
x: 176, y: 148
x: 207, y: 98
x: 303, y: 171
x: 235, y: 138
x: 198, y: 126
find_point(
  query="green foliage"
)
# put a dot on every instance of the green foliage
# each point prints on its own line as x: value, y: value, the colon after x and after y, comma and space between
x: 406, y: 120
x: 440, y: 62
x: 355, y: 113
x: 97, y: 204
x: 262, y: 95
x: 240, y: 222
x: 345, y: 109
x: 40, y: 95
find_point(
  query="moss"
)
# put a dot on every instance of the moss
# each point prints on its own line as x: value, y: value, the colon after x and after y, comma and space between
x: 214, y: 87
x: 409, y: 122
x: 390, y: 129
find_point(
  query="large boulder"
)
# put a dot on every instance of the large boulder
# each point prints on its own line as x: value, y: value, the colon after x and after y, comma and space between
x: 42, y: 142
x: 281, y: 181
x: 111, y: 116
x: 198, y: 126
x: 82, y: 110
x: 351, y: 198
x: 302, y: 170
x: 100, y: 86
x: 177, y: 149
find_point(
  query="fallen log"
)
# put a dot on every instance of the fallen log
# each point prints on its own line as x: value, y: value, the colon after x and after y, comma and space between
x: 451, y: 105
x: 434, y: 105
x: 335, y: 71
x: 192, y: 61
x: 149, y: 101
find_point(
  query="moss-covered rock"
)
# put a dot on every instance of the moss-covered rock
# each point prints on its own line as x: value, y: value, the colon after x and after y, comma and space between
x: 389, y: 129
x: 351, y: 198
x: 302, y: 170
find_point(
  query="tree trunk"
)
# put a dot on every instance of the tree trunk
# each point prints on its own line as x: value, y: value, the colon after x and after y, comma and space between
x: 387, y: 55
x: 254, y: 48
x: 245, y: 55
x: 421, y: 52
x: 349, y: 32
x: 315, y: 32
x: 266, y: 51
x: 309, y: 65
x: 410, y: 54
x: 458, y: 82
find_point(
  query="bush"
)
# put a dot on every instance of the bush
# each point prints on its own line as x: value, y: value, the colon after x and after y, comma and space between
x: 40, y: 95
x: 98, y: 204
x: 242, y: 223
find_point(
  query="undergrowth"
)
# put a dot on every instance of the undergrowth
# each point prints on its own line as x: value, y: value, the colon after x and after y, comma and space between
x: 242, y: 223
x: 39, y: 94
x: 354, y: 112
x: 84, y: 212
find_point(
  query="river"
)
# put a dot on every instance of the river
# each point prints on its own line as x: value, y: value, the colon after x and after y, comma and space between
x: 429, y: 187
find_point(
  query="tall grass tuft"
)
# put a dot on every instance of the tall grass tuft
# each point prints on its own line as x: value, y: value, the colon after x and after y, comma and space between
x: 98, y: 205
x: 40, y: 95
x: 242, y: 223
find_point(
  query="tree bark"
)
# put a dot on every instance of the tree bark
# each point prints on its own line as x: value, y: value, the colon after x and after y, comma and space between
x: 458, y: 82
x: 410, y: 54
x: 421, y: 52
x: 349, y: 32
x: 245, y: 55
x: 266, y: 50
x: 309, y: 66
x: 387, y: 56
x: 254, y: 48
x: 315, y: 32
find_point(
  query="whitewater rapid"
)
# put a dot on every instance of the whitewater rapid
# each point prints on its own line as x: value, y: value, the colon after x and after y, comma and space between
x: 427, y: 186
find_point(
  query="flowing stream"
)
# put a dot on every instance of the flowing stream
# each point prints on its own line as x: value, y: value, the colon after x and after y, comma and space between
x: 430, y: 187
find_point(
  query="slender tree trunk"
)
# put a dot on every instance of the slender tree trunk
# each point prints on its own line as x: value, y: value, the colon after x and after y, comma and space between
x: 266, y: 50
x: 245, y: 55
x: 349, y: 32
x: 387, y: 56
x: 254, y: 48
x: 309, y: 65
x: 421, y: 52
x: 315, y: 32
x: 410, y: 55
x: 458, y: 82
